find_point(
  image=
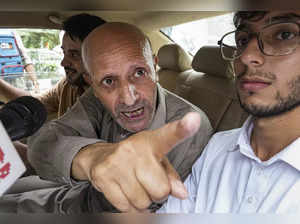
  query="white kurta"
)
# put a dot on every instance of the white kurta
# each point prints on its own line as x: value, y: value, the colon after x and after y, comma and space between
x: 229, y: 178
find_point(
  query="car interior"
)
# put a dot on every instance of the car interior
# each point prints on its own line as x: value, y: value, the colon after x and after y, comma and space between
x: 200, y: 75
x: 184, y: 36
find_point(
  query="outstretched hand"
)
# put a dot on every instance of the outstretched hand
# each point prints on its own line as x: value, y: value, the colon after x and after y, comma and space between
x: 135, y: 172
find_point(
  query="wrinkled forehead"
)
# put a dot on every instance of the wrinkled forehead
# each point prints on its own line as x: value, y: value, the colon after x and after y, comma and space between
x: 261, y: 19
x: 118, y: 46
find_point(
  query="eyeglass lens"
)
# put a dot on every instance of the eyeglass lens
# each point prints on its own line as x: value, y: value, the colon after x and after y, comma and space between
x: 275, y: 40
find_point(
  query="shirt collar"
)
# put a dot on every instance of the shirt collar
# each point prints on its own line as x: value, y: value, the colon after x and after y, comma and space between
x: 159, y: 118
x: 243, y: 138
x: 290, y: 154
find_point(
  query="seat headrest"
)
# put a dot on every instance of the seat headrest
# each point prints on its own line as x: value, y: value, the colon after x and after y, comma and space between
x: 173, y: 57
x: 208, y: 60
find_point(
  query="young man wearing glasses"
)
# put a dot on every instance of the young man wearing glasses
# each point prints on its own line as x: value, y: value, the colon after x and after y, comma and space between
x: 255, y: 168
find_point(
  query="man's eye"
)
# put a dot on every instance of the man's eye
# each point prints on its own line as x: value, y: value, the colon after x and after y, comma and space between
x: 108, y: 82
x: 139, y: 73
x: 75, y: 54
x: 242, y: 41
x: 285, y: 35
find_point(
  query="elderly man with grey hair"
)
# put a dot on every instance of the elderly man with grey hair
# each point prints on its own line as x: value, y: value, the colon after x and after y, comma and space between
x: 126, y: 141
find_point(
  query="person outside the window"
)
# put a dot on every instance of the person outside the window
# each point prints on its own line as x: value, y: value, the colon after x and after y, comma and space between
x: 26, y: 61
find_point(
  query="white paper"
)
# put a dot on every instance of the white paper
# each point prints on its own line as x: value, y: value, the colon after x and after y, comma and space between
x: 11, y: 165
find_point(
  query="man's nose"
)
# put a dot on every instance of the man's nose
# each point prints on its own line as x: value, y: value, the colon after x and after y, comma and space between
x: 65, y: 62
x: 128, y: 94
x: 252, y: 55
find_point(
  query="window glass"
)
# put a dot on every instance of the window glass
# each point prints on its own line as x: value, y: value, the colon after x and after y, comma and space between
x: 24, y: 49
x: 193, y: 35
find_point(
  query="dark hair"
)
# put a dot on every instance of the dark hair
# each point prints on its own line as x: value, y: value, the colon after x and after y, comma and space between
x: 79, y: 26
x: 240, y: 16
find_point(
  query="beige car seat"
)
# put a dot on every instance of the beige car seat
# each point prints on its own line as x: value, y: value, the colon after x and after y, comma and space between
x: 211, y: 87
x: 172, y: 60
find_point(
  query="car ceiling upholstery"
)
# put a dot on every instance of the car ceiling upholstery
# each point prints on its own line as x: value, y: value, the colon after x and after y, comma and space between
x: 150, y: 16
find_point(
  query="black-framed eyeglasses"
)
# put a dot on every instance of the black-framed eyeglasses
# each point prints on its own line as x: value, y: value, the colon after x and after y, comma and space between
x: 276, y: 39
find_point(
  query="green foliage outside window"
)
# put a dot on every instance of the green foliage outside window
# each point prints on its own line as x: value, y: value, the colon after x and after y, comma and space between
x: 39, y: 38
x: 40, y: 44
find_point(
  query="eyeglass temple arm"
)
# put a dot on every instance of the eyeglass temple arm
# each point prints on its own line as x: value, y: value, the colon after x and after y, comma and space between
x: 225, y: 45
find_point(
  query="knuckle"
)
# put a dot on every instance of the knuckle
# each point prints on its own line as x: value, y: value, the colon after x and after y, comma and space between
x: 113, y: 161
x: 126, y: 148
x: 97, y: 173
x: 140, y: 203
x: 112, y: 165
x: 162, y: 192
x: 123, y: 206
x: 106, y: 170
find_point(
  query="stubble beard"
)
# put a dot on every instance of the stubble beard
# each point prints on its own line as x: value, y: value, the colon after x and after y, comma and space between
x: 151, y: 108
x: 78, y: 81
x: 283, y: 104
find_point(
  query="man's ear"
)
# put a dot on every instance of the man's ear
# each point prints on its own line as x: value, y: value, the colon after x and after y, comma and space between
x: 155, y: 61
x: 155, y: 64
x: 87, y: 78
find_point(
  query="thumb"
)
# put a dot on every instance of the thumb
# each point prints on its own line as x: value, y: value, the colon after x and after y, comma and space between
x: 171, y: 134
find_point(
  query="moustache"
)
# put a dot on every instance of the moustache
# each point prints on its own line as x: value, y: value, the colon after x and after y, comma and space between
x: 69, y: 69
x: 123, y: 107
x: 266, y: 75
